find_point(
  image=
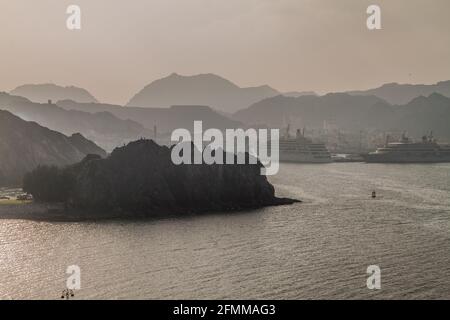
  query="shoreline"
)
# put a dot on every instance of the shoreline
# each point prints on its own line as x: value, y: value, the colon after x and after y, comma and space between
x: 49, y: 212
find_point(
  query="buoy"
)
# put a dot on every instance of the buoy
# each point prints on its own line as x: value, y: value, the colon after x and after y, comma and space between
x: 374, y: 194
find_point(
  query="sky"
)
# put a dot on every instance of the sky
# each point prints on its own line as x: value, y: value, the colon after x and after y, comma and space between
x: 291, y: 45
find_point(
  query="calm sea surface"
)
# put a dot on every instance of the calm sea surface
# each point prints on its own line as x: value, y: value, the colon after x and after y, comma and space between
x: 317, y: 249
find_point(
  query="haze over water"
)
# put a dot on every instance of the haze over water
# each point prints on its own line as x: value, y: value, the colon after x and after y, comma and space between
x: 317, y: 249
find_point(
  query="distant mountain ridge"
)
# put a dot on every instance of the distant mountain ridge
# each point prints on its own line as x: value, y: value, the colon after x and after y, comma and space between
x: 395, y: 93
x: 296, y: 94
x: 102, y: 127
x: 216, y: 92
x: 164, y: 119
x: 25, y: 145
x: 41, y: 93
x: 308, y: 110
x: 112, y: 125
x: 353, y: 113
x: 203, y: 89
x: 424, y: 114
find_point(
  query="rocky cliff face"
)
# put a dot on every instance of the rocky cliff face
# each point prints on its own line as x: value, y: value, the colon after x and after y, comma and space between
x: 141, y: 179
x: 25, y: 145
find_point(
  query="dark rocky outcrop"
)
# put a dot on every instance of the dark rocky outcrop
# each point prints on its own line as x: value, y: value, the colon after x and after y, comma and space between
x: 140, y: 179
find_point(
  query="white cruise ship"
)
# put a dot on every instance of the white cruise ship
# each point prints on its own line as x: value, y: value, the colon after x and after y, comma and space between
x: 407, y: 151
x: 302, y: 150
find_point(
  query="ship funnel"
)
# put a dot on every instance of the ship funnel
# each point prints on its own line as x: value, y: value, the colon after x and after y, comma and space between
x: 288, y: 129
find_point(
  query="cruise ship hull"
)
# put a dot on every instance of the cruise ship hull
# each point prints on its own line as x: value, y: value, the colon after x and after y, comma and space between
x: 387, y: 158
x: 406, y: 151
x: 303, y: 158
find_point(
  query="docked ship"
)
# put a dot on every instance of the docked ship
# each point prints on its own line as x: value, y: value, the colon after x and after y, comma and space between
x: 408, y: 151
x: 301, y: 149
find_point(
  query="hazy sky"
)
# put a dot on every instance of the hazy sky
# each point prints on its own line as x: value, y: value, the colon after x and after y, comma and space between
x: 320, y: 45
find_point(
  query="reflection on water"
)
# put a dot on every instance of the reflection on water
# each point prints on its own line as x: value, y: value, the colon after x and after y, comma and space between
x: 317, y: 249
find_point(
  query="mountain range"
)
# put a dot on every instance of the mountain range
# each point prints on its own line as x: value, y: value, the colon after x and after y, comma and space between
x: 296, y: 94
x: 103, y: 127
x: 41, y: 93
x: 203, y: 89
x: 395, y: 93
x: 165, y: 119
x: 25, y: 145
x: 344, y: 109
x: 217, y: 92
x: 181, y: 100
x: 353, y: 113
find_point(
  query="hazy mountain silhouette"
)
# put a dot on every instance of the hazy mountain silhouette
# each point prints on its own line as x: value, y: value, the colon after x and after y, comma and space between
x: 344, y: 109
x: 424, y: 114
x: 165, y: 119
x: 395, y: 93
x: 25, y: 145
x: 41, y: 93
x: 204, y: 89
x: 353, y: 113
x: 296, y: 94
x: 86, y: 146
x: 103, y: 128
